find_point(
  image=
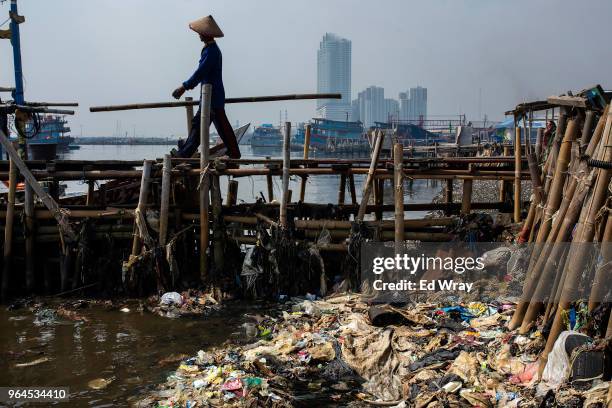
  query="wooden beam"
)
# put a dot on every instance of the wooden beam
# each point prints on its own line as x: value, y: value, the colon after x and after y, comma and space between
x: 47, y: 200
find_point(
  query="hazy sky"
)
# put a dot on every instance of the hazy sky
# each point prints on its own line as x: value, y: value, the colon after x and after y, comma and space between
x: 101, y: 52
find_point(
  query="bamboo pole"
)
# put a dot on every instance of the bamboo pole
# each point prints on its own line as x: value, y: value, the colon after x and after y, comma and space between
x: 342, y: 189
x: 379, y: 194
x: 249, y: 99
x: 206, y: 93
x: 466, y: 202
x: 398, y: 158
x: 584, y: 234
x: 504, y: 186
x: 8, y: 231
x: 91, y: 186
x: 517, y: 177
x: 145, y: 184
x: 586, y: 129
x: 189, y: 113
x: 367, y: 188
x: 232, y: 193
x: 552, y: 205
x: 352, y: 188
x: 305, y: 157
x: 286, y: 165
x: 165, y: 200
x: 600, y: 281
x: 448, y: 196
x: 538, y: 146
x: 29, y: 238
x: 218, y: 231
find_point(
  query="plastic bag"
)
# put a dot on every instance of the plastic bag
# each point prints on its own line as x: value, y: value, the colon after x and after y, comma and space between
x: 171, y: 298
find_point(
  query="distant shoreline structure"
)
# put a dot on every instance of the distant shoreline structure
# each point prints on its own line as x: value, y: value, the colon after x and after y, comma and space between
x: 108, y: 140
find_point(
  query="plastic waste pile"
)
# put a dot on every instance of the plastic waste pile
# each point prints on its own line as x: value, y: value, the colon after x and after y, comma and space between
x: 341, y: 350
x: 189, y: 303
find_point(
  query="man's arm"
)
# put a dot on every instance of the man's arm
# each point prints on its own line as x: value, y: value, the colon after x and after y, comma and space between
x: 198, y: 76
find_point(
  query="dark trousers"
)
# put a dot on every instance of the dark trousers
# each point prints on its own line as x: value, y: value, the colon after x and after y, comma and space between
x: 224, y: 129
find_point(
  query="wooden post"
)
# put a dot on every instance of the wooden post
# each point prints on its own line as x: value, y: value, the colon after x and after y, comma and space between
x: 286, y: 164
x: 305, y: 156
x: 538, y: 146
x: 448, y: 196
x: 270, y: 188
x: 145, y: 183
x: 218, y: 232
x: 398, y: 191
x: 29, y: 237
x: 8, y: 230
x: 504, y: 186
x: 342, y: 189
x: 165, y: 200
x: 367, y: 188
x: 586, y: 130
x: 352, y: 188
x: 379, y: 197
x: 90, y: 192
x: 517, y: 175
x: 466, y: 202
x: 206, y: 93
x: 232, y: 193
x: 189, y: 112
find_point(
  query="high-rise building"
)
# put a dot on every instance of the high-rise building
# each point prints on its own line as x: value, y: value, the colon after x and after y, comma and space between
x: 334, y: 76
x: 413, y: 104
x: 372, y: 105
x: 392, y: 110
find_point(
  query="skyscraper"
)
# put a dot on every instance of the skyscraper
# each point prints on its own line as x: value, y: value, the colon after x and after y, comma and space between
x: 334, y: 76
x: 372, y: 105
x: 413, y: 104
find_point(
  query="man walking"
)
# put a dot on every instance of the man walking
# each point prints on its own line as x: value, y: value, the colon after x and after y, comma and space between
x: 209, y: 71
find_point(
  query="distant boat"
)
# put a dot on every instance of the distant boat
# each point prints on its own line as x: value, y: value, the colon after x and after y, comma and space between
x: 332, y: 135
x: 46, y: 135
x: 268, y: 136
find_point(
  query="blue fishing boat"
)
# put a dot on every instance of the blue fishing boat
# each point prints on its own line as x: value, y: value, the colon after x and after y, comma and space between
x: 268, y: 136
x: 332, y: 135
x: 46, y: 135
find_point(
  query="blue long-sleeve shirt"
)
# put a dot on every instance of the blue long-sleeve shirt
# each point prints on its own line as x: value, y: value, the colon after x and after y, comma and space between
x: 209, y: 71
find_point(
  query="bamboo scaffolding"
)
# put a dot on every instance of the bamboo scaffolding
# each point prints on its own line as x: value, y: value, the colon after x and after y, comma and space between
x: 165, y: 201
x: 584, y: 234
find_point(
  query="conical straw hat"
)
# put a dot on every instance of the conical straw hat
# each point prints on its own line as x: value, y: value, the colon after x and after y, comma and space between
x: 206, y: 26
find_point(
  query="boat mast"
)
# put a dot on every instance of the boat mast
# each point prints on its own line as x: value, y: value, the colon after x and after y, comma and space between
x: 16, y: 19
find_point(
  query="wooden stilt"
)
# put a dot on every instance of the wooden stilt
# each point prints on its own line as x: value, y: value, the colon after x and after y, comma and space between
x: 189, y: 112
x: 517, y: 177
x: 270, y: 188
x: 352, y: 188
x: 206, y: 93
x: 466, y: 201
x: 8, y: 230
x: 398, y: 193
x: 90, y: 192
x: 305, y: 156
x: 342, y: 189
x: 218, y: 231
x: 165, y: 200
x: 29, y: 238
x: 379, y: 194
x: 448, y: 196
x: 504, y: 186
x: 367, y: 188
x: 286, y: 165
x: 145, y: 183
x: 232, y: 193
